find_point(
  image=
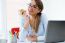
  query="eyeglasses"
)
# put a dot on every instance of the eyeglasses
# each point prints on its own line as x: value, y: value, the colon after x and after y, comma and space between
x: 34, y: 6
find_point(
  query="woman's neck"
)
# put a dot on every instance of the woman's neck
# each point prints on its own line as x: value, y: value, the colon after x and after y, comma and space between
x: 33, y: 16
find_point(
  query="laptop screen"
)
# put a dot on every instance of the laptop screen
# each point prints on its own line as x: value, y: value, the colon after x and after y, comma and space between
x: 55, y: 31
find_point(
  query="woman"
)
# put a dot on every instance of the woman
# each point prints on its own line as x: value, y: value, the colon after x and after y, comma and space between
x: 36, y: 24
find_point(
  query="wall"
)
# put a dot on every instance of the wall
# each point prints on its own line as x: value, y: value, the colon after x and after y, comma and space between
x: 55, y: 9
x: 3, y: 19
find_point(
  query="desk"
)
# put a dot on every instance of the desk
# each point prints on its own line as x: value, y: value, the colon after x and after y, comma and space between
x: 40, y: 40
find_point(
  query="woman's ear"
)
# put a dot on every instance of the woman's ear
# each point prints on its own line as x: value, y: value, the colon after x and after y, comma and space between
x: 39, y: 10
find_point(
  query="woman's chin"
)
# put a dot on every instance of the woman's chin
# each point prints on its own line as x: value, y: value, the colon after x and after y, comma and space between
x: 30, y: 13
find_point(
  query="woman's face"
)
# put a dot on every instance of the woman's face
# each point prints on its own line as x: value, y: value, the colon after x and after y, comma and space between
x: 33, y: 8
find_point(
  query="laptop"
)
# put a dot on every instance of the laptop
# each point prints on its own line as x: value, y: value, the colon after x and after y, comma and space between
x: 55, y: 31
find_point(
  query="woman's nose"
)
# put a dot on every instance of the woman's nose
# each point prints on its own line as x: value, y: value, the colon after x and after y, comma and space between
x: 31, y: 7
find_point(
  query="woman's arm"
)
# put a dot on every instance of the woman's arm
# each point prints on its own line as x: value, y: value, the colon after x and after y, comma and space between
x: 32, y: 38
x: 24, y: 29
x: 24, y: 22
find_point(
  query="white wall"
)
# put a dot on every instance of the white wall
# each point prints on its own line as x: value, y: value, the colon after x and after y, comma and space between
x: 55, y: 9
x: 2, y: 19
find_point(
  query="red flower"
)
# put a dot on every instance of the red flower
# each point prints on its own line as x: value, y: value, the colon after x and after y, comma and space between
x: 15, y: 30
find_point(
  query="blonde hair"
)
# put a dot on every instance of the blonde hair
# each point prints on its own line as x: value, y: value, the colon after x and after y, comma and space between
x: 22, y: 11
x: 35, y: 24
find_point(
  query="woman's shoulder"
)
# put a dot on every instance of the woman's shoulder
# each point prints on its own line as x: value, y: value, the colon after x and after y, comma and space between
x: 43, y: 17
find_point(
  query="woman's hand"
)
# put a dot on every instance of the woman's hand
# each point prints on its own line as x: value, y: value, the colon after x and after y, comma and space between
x: 32, y: 38
x: 26, y: 24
